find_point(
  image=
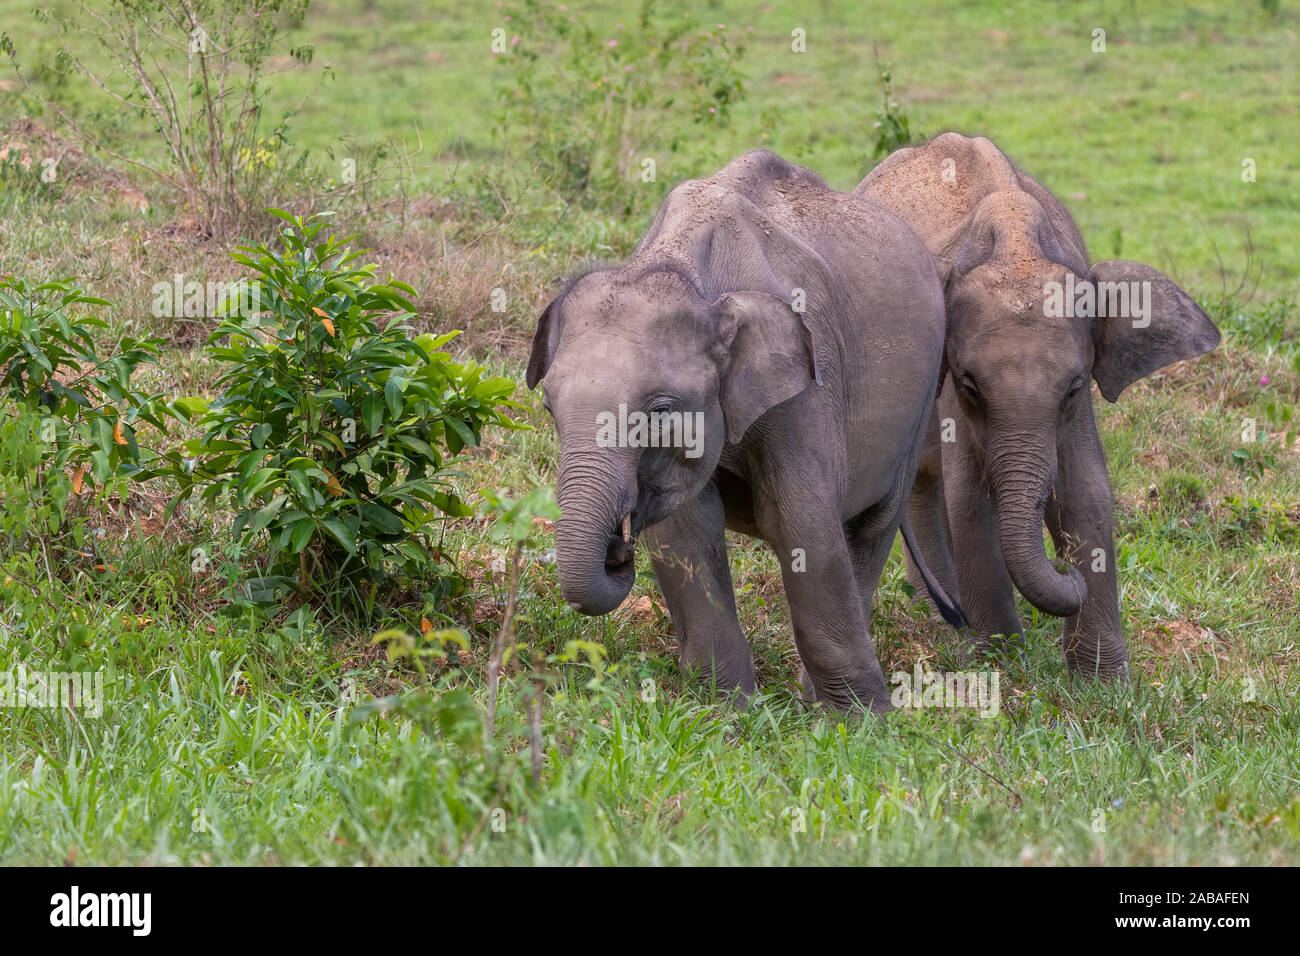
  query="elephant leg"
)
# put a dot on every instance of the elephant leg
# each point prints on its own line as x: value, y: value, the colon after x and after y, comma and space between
x: 689, y: 552
x: 987, y: 595
x: 1080, y: 516
x: 826, y: 606
x: 870, y: 540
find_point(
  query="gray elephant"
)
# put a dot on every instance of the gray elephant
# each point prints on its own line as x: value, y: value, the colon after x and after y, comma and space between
x: 765, y: 362
x: 1013, y: 440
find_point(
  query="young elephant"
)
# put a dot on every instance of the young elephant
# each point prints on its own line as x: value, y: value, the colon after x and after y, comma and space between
x: 1013, y: 439
x: 766, y: 362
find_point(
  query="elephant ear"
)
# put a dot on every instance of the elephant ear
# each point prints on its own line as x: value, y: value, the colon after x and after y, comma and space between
x: 768, y: 356
x: 545, y: 339
x: 1129, y: 347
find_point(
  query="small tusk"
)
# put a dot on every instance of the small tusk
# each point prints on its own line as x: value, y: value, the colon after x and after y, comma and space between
x: 627, y: 526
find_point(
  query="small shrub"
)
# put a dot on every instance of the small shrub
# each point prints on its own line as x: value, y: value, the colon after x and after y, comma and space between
x: 49, y: 364
x: 336, y: 428
x: 1252, y: 521
x: 609, y: 86
x: 194, y: 72
x: 893, y: 129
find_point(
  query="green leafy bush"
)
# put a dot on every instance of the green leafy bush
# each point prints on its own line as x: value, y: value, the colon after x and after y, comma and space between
x: 49, y: 365
x: 336, y: 427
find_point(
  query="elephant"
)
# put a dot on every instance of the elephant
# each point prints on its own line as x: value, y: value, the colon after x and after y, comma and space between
x: 787, y: 339
x: 1013, y: 441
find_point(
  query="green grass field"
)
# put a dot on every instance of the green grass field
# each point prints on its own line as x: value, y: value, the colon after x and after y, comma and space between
x: 294, y: 739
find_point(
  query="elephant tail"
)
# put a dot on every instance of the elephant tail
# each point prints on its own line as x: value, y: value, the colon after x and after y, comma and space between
x: 948, y: 609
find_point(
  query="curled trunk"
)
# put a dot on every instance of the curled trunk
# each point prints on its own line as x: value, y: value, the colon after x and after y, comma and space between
x: 1021, y: 470
x: 596, y: 566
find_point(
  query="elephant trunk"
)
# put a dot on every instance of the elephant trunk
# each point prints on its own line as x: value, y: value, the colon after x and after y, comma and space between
x: 596, y: 562
x: 1021, y: 469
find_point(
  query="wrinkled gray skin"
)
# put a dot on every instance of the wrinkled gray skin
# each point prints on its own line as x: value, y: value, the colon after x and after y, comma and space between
x: 1026, y: 446
x: 701, y: 319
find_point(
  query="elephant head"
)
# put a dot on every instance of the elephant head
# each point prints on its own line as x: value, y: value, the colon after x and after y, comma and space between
x: 1025, y: 334
x: 647, y: 379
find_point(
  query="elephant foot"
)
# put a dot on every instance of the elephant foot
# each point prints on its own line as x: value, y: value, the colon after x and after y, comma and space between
x: 1109, y: 662
x: 853, y: 703
x: 735, y: 683
x: 1090, y: 669
x: 738, y: 697
x: 806, y: 686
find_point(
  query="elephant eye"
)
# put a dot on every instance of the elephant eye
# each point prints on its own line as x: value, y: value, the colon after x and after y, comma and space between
x: 967, y: 385
x: 1076, y: 386
x: 659, y: 406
